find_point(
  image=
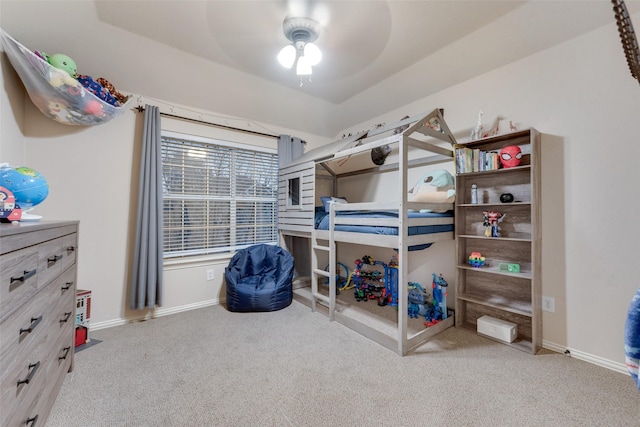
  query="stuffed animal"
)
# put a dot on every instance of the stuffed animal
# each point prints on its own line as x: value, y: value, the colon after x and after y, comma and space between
x: 97, y: 89
x: 59, y: 77
x: 112, y: 90
x: 63, y: 62
x: 434, y: 187
x: 60, y: 63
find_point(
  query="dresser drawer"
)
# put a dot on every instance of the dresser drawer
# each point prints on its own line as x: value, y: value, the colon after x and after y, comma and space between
x: 50, y: 256
x: 36, y: 403
x: 19, y: 279
x: 69, y: 247
x: 39, y: 317
x: 21, y: 384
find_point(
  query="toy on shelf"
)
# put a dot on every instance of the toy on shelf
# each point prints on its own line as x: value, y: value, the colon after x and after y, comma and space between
x: 491, y: 221
x: 510, y: 156
x: 476, y: 259
x: 509, y: 267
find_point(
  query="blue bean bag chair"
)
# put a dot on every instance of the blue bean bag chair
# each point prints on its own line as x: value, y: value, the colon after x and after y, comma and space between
x: 632, y: 338
x: 259, y: 278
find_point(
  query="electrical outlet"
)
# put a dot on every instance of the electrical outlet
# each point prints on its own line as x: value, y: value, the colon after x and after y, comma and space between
x: 548, y: 304
x: 210, y: 275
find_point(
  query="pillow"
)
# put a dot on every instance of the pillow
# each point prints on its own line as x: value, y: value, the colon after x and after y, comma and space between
x: 327, y: 201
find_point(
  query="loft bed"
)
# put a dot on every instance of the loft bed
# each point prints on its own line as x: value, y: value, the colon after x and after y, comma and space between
x: 402, y: 222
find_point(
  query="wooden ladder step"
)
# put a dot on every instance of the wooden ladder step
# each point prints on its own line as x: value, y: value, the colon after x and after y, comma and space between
x: 321, y: 297
x: 321, y: 272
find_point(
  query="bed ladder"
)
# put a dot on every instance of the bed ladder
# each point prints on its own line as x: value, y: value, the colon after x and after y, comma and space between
x: 319, y: 272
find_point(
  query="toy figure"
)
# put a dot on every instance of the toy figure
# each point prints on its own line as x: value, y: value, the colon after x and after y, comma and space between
x: 417, y: 299
x: 440, y: 296
x: 491, y: 221
x: 356, y: 278
x: 476, y: 132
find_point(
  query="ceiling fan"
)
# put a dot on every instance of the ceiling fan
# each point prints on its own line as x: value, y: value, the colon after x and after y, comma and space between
x: 628, y: 37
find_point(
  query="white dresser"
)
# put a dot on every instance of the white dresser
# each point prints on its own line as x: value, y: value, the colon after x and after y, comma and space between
x: 37, y: 317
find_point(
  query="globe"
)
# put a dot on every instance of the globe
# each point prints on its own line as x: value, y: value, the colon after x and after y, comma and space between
x: 27, y: 185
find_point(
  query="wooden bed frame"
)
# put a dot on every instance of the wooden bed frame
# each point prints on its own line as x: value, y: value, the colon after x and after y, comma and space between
x: 296, y: 213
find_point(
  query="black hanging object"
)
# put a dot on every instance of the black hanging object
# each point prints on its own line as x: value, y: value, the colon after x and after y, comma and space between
x: 628, y: 37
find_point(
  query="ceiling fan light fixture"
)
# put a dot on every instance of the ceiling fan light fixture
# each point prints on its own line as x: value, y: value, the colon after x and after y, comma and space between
x: 302, y: 52
x: 287, y: 56
x: 304, y: 67
x: 312, y: 53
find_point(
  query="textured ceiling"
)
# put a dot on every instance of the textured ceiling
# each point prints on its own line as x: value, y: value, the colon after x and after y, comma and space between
x: 377, y: 55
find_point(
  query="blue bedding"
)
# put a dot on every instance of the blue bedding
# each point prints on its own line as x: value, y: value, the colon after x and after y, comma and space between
x: 322, y: 223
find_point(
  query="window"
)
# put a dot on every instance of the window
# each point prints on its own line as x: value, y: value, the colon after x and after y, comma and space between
x: 294, y: 192
x: 217, y: 196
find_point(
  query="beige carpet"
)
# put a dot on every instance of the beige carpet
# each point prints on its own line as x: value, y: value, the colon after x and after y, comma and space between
x: 210, y: 367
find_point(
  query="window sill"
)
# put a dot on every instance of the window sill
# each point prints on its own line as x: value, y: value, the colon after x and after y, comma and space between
x: 196, y: 261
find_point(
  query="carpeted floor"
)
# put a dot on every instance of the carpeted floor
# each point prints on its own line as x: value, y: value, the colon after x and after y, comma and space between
x: 211, y: 367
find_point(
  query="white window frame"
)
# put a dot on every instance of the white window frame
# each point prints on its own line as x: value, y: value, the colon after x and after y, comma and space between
x: 234, y: 198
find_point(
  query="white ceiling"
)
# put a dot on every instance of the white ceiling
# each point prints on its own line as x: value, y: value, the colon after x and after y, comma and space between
x: 377, y: 55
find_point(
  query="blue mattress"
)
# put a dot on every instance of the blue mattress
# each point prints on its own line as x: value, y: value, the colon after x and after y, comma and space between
x: 322, y: 223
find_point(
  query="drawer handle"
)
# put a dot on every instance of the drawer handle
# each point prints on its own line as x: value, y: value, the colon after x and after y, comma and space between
x: 71, y: 249
x: 66, y: 317
x: 66, y: 352
x: 54, y: 259
x: 67, y: 286
x: 33, y: 367
x: 27, y: 274
x: 32, y: 326
x: 32, y: 421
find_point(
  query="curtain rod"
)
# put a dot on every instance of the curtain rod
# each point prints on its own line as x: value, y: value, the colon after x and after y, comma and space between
x: 140, y: 109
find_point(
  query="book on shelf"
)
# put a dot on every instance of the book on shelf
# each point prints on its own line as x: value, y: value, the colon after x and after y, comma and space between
x: 476, y: 160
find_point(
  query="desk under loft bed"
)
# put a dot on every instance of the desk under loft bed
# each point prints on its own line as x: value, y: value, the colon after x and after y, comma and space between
x: 413, y: 142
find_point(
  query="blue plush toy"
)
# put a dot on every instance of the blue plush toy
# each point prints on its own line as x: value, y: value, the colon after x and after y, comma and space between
x: 632, y: 338
x: 97, y: 89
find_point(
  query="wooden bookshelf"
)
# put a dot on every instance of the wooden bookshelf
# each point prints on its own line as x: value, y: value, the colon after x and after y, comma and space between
x: 488, y: 290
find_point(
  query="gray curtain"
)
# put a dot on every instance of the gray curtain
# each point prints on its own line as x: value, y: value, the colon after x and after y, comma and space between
x: 146, y: 278
x: 289, y: 148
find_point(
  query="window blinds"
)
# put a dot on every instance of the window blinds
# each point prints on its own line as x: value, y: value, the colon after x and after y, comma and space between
x: 217, y: 197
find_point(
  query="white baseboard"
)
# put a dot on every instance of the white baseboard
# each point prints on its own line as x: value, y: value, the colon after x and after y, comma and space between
x: 158, y: 312
x: 580, y: 355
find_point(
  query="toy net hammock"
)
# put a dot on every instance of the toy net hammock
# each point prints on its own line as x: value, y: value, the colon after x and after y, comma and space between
x: 58, y: 95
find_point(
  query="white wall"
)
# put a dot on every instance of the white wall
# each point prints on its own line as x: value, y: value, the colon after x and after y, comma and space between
x: 581, y: 96
x: 12, y: 104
